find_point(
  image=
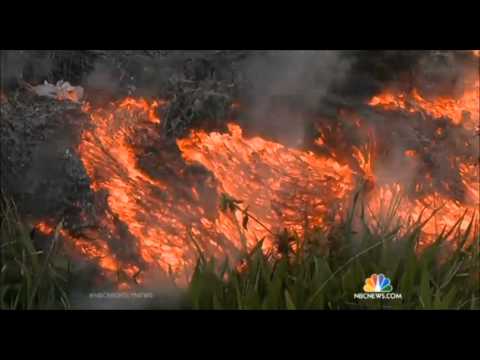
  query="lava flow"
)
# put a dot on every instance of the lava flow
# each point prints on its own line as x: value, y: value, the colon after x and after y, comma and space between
x: 169, y: 208
x: 284, y: 188
x: 161, y: 201
x: 443, y: 207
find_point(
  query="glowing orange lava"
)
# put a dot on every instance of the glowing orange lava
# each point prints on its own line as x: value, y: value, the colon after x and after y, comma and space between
x: 446, y: 210
x: 410, y: 153
x: 461, y: 111
x: 44, y: 228
x: 283, y: 188
x: 162, y: 211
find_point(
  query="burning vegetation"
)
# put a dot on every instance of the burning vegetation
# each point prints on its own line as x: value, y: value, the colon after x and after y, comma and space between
x: 158, y: 202
x: 166, y: 217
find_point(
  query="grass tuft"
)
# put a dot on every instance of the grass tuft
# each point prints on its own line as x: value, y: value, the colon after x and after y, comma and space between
x: 312, y: 277
x: 29, y: 278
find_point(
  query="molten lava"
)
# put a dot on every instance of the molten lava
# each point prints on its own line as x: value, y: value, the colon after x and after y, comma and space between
x: 284, y: 188
x: 161, y: 206
x: 443, y: 207
x: 462, y: 111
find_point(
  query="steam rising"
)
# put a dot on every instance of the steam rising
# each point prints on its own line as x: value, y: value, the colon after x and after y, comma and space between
x: 284, y: 87
x: 155, y: 194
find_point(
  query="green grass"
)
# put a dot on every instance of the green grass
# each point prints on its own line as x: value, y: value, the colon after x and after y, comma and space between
x: 319, y: 271
x: 324, y: 273
x: 29, y: 278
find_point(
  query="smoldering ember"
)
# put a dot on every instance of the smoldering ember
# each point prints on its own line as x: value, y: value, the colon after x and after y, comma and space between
x: 227, y: 179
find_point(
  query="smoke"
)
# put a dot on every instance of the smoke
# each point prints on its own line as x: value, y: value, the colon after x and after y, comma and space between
x: 103, y: 78
x: 11, y: 68
x: 444, y: 73
x: 285, y: 87
x: 32, y: 66
x: 308, y: 73
x: 284, y: 92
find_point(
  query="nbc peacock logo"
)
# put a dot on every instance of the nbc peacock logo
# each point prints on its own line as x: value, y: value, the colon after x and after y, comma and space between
x: 378, y: 286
